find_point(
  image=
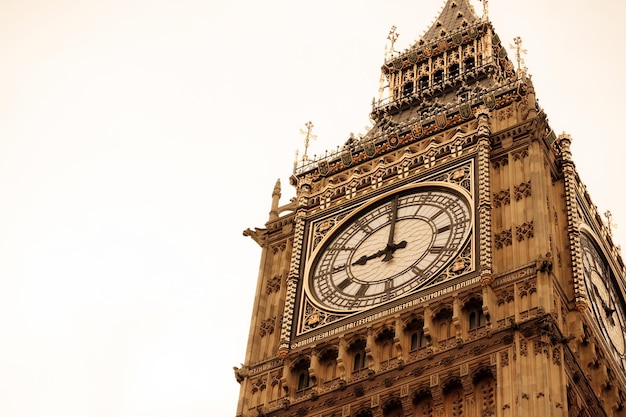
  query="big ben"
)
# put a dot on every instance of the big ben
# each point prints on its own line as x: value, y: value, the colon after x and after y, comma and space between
x: 448, y: 262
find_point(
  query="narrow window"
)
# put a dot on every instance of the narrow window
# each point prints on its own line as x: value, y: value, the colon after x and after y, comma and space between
x: 423, y: 83
x: 360, y: 361
x: 408, y: 88
x: 453, y: 71
x: 303, y: 380
x: 438, y: 78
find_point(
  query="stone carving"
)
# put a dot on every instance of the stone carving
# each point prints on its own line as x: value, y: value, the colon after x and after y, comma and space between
x: 522, y: 190
x: 523, y: 347
x: 502, y: 239
x: 292, y: 284
x: 273, y: 284
x: 460, y: 176
x: 504, y: 358
x: 505, y: 296
x: 502, y: 198
x: 556, y: 355
x: 267, y: 326
x: 523, y: 153
x: 500, y: 162
x: 524, y: 231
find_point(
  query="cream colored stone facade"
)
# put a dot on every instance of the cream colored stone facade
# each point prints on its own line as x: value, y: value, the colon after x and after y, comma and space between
x: 516, y: 324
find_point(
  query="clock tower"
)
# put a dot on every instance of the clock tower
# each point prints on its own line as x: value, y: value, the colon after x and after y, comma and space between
x: 449, y: 262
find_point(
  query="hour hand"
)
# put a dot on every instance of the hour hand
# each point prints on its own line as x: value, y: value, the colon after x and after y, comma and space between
x: 363, y: 259
x: 388, y: 252
x: 390, y: 249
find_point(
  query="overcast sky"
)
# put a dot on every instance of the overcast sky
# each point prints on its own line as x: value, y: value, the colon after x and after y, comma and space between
x: 138, y: 139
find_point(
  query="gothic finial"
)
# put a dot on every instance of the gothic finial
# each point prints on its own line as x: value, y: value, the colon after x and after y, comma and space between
x: 485, y: 9
x: 609, y: 221
x: 393, y: 37
x: 307, y: 138
x: 295, y: 162
x: 275, y: 199
x: 276, y: 188
x: 518, y: 53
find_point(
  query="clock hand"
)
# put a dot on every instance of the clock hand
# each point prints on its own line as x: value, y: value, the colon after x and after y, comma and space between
x: 390, y: 248
x: 363, y: 259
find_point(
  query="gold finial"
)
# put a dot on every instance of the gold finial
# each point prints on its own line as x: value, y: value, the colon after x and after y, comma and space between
x: 393, y: 37
x: 307, y: 138
x: 518, y: 53
x: 485, y: 9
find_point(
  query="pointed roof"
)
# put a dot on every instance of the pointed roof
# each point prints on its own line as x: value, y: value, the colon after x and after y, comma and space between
x: 455, y: 15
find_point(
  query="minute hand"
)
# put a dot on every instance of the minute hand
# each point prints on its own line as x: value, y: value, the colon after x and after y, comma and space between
x: 390, y: 246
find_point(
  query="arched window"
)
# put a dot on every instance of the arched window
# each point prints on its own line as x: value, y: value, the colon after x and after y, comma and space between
x: 328, y: 364
x: 303, y: 380
x: 453, y: 399
x: 359, y: 358
x: 469, y: 64
x: 385, y: 345
x: 393, y: 408
x: 443, y: 323
x: 485, y: 392
x: 423, y: 404
x: 301, y: 374
x: 476, y: 319
x: 418, y: 340
x: 474, y: 312
x: 415, y: 329
x: 360, y: 361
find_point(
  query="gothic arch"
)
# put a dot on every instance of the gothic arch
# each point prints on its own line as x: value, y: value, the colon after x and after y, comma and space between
x: 393, y: 408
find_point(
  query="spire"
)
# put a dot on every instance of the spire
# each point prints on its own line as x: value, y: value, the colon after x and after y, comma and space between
x: 455, y: 15
x: 275, y: 200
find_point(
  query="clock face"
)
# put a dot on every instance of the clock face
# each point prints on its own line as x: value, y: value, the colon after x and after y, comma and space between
x: 389, y: 247
x: 606, y: 304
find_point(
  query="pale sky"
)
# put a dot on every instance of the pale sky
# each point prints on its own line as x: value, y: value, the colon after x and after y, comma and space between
x: 138, y: 139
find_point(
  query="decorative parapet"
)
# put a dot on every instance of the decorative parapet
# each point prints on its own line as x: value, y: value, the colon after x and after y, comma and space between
x: 379, y: 141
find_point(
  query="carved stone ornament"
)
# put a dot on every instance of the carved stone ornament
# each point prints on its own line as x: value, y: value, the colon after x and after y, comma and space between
x: 524, y: 231
x: 502, y: 198
x: 522, y: 190
x: 273, y: 284
x: 503, y: 238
